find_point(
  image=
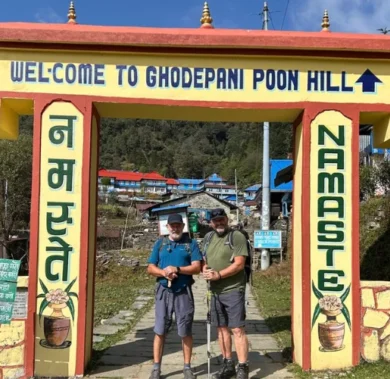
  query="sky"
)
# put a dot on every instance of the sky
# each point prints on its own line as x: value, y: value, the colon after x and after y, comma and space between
x: 356, y: 16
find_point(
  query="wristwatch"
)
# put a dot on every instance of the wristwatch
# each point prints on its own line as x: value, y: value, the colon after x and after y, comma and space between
x: 178, y: 269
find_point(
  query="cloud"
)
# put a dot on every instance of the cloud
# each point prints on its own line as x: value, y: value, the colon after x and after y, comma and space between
x: 355, y: 16
x: 48, y: 15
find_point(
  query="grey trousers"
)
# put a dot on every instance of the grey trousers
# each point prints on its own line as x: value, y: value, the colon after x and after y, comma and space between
x: 167, y: 303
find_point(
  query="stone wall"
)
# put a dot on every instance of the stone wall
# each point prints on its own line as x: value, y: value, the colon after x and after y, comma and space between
x: 12, y: 342
x: 202, y: 201
x: 375, y: 322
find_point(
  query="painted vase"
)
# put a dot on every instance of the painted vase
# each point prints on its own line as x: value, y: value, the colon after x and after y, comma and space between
x: 56, y: 326
x: 331, y: 333
x: 57, y: 310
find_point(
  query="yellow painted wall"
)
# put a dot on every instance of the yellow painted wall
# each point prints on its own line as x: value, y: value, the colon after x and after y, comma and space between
x: 12, y: 344
x: 59, y: 361
x: 344, y: 73
x: 9, y: 121
x: 322, y: 358
x: 297, y: 230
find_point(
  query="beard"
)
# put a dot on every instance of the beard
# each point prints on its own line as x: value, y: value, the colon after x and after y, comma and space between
x: 221, y: 230
x: 176, y: 235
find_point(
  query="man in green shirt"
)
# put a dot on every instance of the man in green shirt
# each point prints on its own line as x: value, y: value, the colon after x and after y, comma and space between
x: 225, y: 270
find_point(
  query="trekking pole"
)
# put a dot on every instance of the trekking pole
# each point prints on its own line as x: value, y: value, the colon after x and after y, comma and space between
x: 208, y: 330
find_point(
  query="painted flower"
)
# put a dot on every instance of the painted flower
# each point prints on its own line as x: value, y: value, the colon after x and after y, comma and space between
x: 330, y: 303
x: 57, y: 296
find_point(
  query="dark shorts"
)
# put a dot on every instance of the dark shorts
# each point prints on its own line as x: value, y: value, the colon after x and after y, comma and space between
x: 228, y: 309
x: 167, y: 303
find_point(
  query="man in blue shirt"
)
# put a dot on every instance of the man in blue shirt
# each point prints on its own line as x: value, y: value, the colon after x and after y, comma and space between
x: 173, y: 261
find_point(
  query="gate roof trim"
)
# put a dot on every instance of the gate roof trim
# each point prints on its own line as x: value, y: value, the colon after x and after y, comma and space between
x: 63, y: 35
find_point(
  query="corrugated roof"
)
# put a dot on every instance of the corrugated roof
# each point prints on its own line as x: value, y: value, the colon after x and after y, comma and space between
x: 215, y: 178
x: 255, y: 187
x: 121, y: 175
x: 173, y: 182
x: 153, y: 176
x: 230, y: 198
x: 219, y: 186
x: 190, y: 181
x: 134, y: 176
x: 170, y: 207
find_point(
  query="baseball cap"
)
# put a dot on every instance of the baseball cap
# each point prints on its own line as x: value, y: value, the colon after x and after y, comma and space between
x: 217, y: 213
x: 175, y: 219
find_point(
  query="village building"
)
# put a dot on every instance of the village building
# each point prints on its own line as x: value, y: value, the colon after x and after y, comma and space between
x: 200, y: 203
x: 128, y: 181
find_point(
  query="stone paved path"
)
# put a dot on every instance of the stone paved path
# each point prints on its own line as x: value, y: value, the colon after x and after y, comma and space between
x: 133, y: 357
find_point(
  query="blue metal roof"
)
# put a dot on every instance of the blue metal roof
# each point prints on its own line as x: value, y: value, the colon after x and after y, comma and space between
x: 171, y: 207
x: 230, y: 198
x: 215, y: 178
x: 255, y: 187
x: 276, y: 166
x: 190, y: 181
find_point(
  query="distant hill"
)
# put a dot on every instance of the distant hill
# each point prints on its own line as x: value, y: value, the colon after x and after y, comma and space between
x: 188, y: 149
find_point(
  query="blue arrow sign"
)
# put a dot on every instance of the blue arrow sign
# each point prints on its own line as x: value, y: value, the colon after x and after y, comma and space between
x: 368, y: 80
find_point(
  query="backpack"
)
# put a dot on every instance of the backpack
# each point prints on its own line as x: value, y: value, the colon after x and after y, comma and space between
x: 248, y: 261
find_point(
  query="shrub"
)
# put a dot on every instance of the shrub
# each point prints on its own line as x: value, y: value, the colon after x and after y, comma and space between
x: 368, y: 181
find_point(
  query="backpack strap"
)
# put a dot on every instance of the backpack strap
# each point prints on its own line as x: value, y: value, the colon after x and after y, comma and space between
x: 187, y: 246
x: 231, y: 245
x: 163, y: 242
x: 206, y: 241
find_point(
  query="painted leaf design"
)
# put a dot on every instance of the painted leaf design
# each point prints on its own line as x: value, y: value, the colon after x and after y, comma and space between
x: 345, y: 312
x: 44, y: 288
x: 316, y: 313
x: 41, y: 296
x: 73, y: 294
x: 344, y: 296
x: 67, y: 289
x: 43, y: 306
x: 70, y: 304
x: 316, y: 292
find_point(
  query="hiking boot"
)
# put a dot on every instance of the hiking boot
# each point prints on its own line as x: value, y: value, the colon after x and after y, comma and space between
x: 243, y: 371
x: 227, y: 371
x: 156, y: 374
x: 188, y: 374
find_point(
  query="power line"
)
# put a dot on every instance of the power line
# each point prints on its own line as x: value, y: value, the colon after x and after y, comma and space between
x: 272, y: 21
x: 285, y: 13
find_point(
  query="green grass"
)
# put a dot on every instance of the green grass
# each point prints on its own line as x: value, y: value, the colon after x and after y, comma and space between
x: 374, y: 244
x: 272, y: 289
x: 116, y: 290
x: 273, y: 293
x: 379, y: 370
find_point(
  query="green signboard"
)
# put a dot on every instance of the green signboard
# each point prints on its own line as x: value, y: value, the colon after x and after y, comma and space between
x: 7, y: 292
x: 9, y: 270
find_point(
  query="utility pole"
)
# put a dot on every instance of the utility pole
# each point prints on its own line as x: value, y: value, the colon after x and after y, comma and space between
x: 265, y: 207
x: 235, y: 174
x: 6, y: 201
x: 265, y: 16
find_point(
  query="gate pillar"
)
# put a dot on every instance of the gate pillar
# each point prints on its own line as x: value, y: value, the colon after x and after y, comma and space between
x: 325, y: 285
x: 63, y: 233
